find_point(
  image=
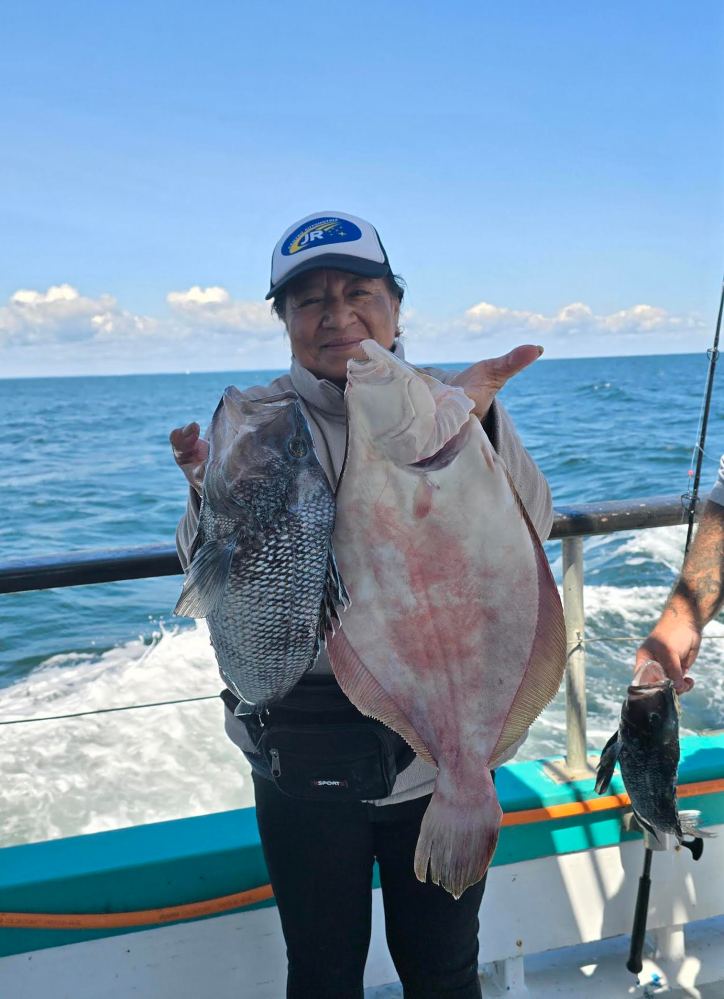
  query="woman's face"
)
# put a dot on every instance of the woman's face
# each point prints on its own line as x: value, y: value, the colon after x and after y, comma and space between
x: 329, y: 312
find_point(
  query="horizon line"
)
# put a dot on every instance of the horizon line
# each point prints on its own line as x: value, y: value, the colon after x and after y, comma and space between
x: 418, y: 364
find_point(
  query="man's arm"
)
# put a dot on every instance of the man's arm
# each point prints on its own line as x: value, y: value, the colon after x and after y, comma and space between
x: 695, y: 599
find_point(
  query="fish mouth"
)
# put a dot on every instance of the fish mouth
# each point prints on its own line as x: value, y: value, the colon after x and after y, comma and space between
x: 648, y: 674
x: 446, y: 454
x: 647, y: 687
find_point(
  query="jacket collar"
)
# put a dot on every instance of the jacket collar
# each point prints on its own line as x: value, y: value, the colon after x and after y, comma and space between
x: 322, y: 394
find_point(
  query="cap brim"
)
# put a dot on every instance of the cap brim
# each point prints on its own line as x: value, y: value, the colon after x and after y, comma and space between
x: 336, y: 262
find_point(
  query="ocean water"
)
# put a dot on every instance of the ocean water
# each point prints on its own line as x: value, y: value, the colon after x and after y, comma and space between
x: 87, y: 465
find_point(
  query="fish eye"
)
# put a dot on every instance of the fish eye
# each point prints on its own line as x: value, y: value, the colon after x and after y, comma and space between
x: 297, y: 447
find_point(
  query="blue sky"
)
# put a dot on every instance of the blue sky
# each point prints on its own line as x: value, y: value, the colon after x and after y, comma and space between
x: 539, y: 171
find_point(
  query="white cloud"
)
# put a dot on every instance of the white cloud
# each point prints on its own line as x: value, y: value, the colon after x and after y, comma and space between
x: 62, y: 314
x: 214, y: 309
x: 197, y: 296
x: 206, y: 328
x: 574, y: 319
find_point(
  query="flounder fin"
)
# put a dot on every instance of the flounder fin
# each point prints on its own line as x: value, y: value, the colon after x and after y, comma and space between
x: 206, y: 579
x: 457, y: 842
x: 607, y: 763
x: 368, y: 695
x: 547, y: 661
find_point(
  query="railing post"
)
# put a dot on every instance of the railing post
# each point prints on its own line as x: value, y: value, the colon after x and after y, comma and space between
x: 576, y: 658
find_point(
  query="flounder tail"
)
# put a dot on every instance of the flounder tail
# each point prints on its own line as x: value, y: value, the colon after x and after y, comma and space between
x: 458, y: 835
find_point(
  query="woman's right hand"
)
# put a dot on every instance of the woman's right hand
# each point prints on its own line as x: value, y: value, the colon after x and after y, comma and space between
x: 190, y: 452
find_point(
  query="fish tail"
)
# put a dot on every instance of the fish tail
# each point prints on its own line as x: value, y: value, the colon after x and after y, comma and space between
x: 689, y: 824
x: 458, y: 835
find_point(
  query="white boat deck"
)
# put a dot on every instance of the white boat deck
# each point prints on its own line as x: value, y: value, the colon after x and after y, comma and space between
x: 598, y: 971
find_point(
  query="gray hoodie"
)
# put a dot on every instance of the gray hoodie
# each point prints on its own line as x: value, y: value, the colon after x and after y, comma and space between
x: 323, y: 406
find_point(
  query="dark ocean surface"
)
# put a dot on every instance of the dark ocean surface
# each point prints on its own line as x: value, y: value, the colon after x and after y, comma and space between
x: 88, y: 466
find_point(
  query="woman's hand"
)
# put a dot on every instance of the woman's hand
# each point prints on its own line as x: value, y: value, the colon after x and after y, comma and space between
x: 482, y: 381
x: 190, y: 452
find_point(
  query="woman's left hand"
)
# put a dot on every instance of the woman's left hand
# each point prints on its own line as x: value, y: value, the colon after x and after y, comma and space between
x: 483, y: 380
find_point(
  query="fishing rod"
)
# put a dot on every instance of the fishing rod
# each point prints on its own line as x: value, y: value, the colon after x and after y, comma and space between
x: 693, y: 495
x: 690, y: 500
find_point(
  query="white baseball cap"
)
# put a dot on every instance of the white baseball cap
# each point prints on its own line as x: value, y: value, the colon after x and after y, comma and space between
x: 327, y: 239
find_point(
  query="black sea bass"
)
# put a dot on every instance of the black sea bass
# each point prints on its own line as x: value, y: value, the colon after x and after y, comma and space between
x: 646, y: 746
x: 454, y: 637
x: 263, y: 572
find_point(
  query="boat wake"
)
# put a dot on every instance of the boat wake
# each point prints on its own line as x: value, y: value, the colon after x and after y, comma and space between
x: 105, y: 771
x: 108, y: 770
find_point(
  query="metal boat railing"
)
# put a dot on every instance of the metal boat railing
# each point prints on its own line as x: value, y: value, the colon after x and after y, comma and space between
x: 571, y: 525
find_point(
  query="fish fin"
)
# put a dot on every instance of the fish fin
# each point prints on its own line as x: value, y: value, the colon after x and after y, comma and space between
x: 335, y: 596
x: 689, y: 823
x: 607, y: 763
x: 458, y: 835
x: 646, y: 825
x: 547, y: 661
x: 368, y: 695
x: 206, y: 579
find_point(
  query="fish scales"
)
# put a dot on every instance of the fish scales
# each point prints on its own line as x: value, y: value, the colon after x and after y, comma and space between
x: 268, y: 617
x: 646, y: 747
x: 263, y: 571
x: 454, y: 636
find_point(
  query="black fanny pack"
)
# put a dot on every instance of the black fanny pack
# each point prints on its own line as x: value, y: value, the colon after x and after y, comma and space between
x: 318, y: 746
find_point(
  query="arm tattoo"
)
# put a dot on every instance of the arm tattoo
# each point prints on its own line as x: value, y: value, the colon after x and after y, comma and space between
x: 701, y: 583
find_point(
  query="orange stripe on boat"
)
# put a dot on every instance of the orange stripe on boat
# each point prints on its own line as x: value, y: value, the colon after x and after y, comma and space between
x: 529, y: 815
x: 116, y: 920
x: 225, y: 903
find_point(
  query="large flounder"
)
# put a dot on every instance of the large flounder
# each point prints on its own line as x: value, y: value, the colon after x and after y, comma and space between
x: 454, y: 636
x: 263, y: 572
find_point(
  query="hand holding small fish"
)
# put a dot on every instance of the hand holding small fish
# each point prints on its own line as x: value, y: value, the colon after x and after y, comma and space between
x: 482, y: 381
x: 674, y: 643
x: 190, y: 452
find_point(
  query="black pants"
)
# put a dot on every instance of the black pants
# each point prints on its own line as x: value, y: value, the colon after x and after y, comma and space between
x: 320, y: 857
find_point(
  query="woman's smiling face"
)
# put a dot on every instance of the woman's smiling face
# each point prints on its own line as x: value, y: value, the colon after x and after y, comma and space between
x: 328, y: 312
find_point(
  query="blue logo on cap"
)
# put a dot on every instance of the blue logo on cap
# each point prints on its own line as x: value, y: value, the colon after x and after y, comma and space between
x: 320, y: 232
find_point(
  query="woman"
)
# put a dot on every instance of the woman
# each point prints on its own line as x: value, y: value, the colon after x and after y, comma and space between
x: 332, y: 286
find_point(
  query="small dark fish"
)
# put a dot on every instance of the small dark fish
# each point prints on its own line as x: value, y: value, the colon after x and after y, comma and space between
x: 263, y: 573
x: 647, y: 749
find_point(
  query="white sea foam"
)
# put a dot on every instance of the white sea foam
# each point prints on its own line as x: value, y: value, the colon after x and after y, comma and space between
x: 104, y: 771
x: 617, y: 621
x: 662, y: 545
